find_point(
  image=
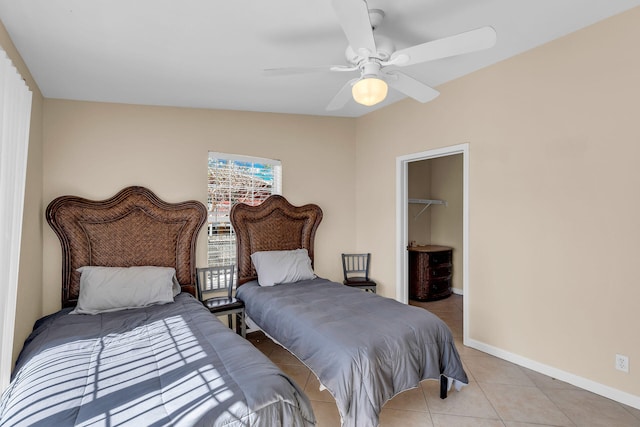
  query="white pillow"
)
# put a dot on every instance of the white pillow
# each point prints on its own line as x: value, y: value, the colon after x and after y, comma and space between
x: 275, y: 267
x: 105, y: 289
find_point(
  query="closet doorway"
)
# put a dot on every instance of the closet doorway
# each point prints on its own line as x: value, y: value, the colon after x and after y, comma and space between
x: 432, y: 207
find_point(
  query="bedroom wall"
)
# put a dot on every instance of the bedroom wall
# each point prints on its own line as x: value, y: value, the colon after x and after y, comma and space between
x: 418, y: 187
x: 29, y: 302
x: 95, y: 149
x: 554, y: 145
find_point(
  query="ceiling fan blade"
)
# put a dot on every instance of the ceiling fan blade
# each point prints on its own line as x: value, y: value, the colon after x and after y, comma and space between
x: 342, y: 97
x: 286, y: 71
x: 353, y: 16
x: 411, y: 87
x: 470, y: 41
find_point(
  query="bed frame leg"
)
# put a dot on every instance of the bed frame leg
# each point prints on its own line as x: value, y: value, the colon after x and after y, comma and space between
x: 443, y: 386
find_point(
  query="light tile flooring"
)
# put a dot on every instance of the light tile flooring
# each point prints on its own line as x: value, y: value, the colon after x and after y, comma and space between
x: 500, y: 394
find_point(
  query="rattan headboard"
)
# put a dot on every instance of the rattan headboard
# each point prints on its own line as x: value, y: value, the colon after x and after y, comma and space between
x: 274, y: 225
x: 133, y: 228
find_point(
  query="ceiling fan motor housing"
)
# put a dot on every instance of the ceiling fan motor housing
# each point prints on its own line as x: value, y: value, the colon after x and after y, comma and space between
x: 370, y: 69
x: 384, y: 49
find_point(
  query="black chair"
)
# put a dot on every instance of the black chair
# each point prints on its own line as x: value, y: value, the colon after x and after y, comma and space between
x: 214, y: 280
x: 355, y: 268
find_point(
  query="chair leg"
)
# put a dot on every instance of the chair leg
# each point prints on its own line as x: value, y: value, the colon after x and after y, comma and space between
x: 230, y: 321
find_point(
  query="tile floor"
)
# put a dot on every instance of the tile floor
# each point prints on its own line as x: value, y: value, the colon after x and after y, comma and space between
x: 500, y: 394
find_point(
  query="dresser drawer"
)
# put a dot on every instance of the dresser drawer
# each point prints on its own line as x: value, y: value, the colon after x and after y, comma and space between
x: 430, y: 290
x: 443, y: 257
x: 439, y: 288
x: 443, y: 272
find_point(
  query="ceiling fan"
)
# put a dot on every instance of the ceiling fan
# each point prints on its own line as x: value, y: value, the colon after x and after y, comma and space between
x: 375, y: 57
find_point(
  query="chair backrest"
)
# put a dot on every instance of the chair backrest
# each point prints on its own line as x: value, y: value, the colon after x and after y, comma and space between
x: 355, y: 265
x: 215, y: 279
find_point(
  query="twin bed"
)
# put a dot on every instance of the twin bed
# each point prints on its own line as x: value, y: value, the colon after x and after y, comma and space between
x: 168, y: 361
x: 363, y: 348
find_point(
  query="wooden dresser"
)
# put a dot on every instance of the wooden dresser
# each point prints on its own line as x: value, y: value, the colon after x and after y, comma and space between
x: 430, y: 270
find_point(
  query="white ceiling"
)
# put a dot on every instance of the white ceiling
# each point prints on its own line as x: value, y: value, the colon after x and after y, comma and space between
x: 210, y: 54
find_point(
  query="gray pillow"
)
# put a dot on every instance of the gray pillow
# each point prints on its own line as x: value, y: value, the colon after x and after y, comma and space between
x: 275, y: 267
x: 105, y: 289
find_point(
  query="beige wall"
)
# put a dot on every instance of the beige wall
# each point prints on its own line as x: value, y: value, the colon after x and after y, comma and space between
x: 446, y: 222
x: 29, y: 304
x: 554, y: 146
x: 95, y: 149
x: 419, y: 187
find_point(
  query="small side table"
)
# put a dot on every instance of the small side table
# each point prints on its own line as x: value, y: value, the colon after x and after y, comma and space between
x: 430, y: 270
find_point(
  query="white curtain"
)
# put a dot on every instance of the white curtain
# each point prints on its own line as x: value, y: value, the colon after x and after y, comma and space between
x: 15, y: 118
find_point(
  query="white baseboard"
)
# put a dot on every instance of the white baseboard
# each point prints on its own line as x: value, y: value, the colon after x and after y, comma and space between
x: 584, y: 383
x: 457, y: 291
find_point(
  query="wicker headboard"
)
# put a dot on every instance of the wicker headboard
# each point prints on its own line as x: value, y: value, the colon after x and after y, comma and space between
x: 274, y: 225
x: 133, y: 228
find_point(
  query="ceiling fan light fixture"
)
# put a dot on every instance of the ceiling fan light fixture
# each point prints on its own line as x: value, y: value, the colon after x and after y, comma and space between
x: 369, y: 91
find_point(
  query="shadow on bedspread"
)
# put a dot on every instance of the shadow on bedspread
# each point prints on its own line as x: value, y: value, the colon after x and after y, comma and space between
x: 163, y: 365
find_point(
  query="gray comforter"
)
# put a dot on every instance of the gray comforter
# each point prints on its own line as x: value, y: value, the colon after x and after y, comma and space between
x: 363, y: 348
x: 172, y: 364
